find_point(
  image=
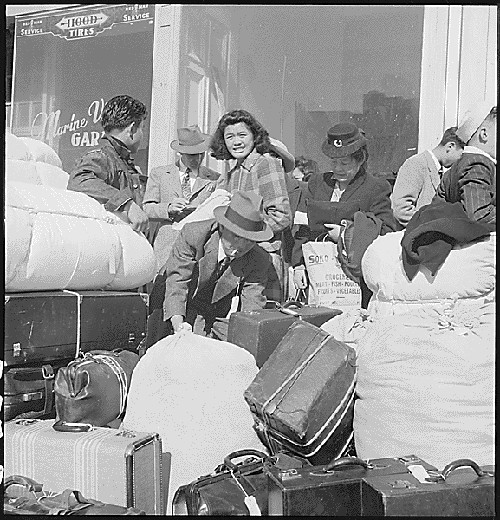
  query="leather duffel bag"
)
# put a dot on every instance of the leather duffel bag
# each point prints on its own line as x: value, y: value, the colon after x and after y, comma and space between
x: 233, y: 489
x: 24, y: 496
x: 93, y: 388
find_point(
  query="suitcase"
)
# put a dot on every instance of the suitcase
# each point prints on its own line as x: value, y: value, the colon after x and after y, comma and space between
x: 335, y: 489
x: 260, y: 331
x: 47, y: 326
x: 120, y: 467
x: 463, y: 489
x: 302, y: 399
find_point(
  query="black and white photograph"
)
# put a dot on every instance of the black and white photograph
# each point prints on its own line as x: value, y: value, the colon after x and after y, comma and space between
x: 250, y: 259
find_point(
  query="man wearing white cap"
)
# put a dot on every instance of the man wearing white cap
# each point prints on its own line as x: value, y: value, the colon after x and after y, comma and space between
x: 472, y: 180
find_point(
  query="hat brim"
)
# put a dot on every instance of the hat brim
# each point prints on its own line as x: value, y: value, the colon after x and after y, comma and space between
x: 342, y: 151
x: 197, y: 148
x: 257, y: 236
x: 287, y: 158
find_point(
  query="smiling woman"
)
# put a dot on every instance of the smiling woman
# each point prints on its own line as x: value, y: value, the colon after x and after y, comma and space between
x: 242, y: 140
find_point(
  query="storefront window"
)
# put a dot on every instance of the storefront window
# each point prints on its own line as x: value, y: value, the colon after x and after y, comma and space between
x: 69, y: 63
x: 301, y: 69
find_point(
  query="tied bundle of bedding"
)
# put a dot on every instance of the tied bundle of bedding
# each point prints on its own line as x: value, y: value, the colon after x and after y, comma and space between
x: 58, y: 239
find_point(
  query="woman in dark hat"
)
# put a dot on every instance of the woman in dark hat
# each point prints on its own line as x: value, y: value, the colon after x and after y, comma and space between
x: 257, y: 163
x: 336, y: 195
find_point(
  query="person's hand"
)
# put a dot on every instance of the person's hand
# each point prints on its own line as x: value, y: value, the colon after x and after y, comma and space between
x: 177, y: 205
x: 178, y: 324
x: 138, y: 219
x: 334, y: 231
x: 300, y: 278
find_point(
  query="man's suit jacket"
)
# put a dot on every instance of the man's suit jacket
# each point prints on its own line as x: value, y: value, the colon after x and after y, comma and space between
x: 415, y: 186
x: 190, y: 269
x: 162, y: 187
x: 472, y: 182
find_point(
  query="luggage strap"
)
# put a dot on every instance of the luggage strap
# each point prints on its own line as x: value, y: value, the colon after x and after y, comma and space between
x: 79, y: 299
x: 292, y: 377
x: 117, y: 369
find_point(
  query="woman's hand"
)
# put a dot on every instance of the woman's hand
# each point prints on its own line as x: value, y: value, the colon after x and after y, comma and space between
x: 334, y: 231
x: 177, y: 205
x: 300, y: 278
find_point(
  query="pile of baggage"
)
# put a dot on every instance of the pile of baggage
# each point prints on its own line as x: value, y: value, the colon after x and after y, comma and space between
x: 305, y: 410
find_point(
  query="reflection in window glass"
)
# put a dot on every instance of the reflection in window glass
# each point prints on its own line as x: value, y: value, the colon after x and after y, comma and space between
x: 301, y: 69
x: 69, y: 63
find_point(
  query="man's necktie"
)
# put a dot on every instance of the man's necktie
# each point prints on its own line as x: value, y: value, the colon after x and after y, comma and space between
x: 441, y: 171
x: 186, y: 185
x: 223, y: 265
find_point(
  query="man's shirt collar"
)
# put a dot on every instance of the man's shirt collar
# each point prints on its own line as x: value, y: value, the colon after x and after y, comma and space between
x: 120, y: 148
x: 436, y: 162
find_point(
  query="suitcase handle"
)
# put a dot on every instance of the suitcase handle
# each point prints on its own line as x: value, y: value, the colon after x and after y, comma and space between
x: 228, y: 460
x: 452, y: 466
x: 62, y: 426
x: 286, y: 308
x: 343, y: 462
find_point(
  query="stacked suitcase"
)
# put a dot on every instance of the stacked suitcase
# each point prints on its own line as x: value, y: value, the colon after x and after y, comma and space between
x: 45, y: 330
x: 302, y: 399
x: 120, y: 467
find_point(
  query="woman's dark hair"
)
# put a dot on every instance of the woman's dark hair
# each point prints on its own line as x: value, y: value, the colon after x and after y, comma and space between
x: 260, y: 134
x: 361, y: 155
x: 120, y: 111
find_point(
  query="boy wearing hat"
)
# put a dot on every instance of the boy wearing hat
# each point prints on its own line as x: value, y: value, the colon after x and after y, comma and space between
x: 472, y: 180
x: 173, y: 191
x: 108, y: 174
x: 215, y: 260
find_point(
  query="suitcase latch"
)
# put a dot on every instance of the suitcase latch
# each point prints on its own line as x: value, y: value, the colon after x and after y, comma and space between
x: 289, y: 474
x: 131, y: 337
x: 32, y: 396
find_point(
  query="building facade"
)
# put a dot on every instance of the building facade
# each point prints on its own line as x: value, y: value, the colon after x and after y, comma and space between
x: 402, y: 73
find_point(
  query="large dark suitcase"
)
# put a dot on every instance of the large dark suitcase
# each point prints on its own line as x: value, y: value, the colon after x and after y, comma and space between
x: 120, y: 467
x: 335, y: 489
x: 47, y: 326
x: 302, y: 399
x: 260, y: 331
x: 463, y: 489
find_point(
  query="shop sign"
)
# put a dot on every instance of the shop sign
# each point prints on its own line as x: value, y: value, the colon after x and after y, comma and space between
x: 49, y: 126
x: 84, y: 22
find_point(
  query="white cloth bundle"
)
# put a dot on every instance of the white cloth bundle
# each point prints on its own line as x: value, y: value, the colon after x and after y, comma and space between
x: 205, y: 210
x: 58, y: 239
x: 189, y: 389
x: 41, y: 152
x: 16, y: 148
x: 468, y: 273
x: 426, y: 385
x: 35, y: 172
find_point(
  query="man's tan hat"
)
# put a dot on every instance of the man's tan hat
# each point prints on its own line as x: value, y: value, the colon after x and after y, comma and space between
x: 191, y: 140
x: 472, y: 119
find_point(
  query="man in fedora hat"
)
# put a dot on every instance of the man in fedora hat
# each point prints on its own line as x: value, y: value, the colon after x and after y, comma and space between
x: 108, y: 173
x: 173, y: 191
x: 472, y: 180
x: 214, y: 261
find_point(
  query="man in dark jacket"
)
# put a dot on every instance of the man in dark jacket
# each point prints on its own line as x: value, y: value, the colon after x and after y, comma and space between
x: 472, y: 180
x: 108, y: 174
